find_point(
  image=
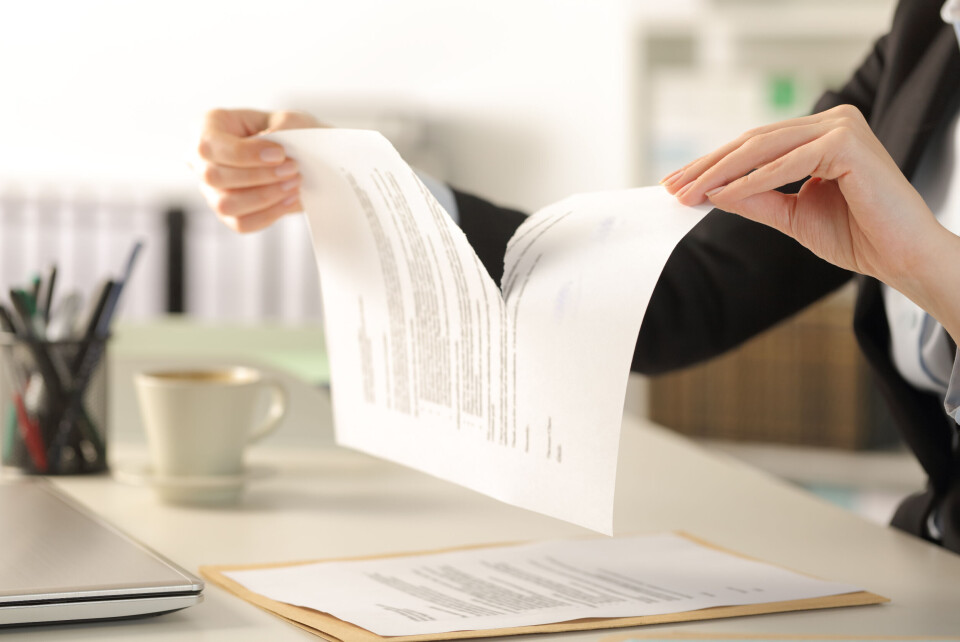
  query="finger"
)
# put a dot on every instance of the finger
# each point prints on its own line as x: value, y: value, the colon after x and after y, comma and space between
x: 260, y: 220
x: 846, y: 115
x: 241, y: 202
x: 222, y: 177
x: 227, y: 138
x: 769, y: 208
x: 221, y: 148
x: 694, y: 169
x: 754, y: 154
x: 674, y: 180
x: 817, y: 217
x: 815, y: 158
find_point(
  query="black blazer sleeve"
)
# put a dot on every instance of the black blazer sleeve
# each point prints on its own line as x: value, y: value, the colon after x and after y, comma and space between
x: 726, y: 281
x: 488, y: 228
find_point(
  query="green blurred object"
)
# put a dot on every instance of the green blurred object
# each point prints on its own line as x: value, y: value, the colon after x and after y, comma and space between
x: 299, y: 350
x: 10, y: 435
x: 782, y: 92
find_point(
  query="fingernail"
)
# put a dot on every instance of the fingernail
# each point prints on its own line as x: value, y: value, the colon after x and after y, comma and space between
x: 683, y: 190
x: 287, y: 169
x: 290, y: 200
x: 272, y: 155
x: 666, y: 180
x: 289, y: 185
x: 714, y: 191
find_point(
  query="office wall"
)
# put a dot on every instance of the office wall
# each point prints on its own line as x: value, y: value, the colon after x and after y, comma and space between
x: 526, y: 101
x: 523, y: 101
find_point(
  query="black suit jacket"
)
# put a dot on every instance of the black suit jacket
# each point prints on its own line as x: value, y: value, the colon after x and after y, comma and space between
x: 730, y: 278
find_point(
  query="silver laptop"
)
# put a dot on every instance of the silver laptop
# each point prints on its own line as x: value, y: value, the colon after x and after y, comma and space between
x: 59, y: 562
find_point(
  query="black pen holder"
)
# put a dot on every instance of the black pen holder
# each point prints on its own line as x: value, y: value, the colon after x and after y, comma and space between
x: 53, y: 405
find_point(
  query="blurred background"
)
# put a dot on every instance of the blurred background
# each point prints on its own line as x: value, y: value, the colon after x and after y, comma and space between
x: 521, y: 101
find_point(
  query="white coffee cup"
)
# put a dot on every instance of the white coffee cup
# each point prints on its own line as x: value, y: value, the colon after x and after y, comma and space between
x: 198, y: 424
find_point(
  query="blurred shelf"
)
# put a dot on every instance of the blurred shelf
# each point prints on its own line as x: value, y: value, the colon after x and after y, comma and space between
x: 707, y: 73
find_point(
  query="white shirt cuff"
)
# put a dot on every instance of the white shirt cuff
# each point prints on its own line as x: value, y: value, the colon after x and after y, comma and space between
x: 442, y: 192
x: 951, y: 402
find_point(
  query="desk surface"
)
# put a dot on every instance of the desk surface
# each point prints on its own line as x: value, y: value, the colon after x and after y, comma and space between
x: 327, y: 502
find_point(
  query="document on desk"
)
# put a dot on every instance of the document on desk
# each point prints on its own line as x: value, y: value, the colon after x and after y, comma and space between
x: 513, y: 586
x: 515, y: 393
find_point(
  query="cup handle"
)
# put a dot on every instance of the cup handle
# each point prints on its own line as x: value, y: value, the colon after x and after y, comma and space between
x: 278, y: 408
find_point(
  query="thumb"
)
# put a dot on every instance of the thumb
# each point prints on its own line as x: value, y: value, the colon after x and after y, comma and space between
x: 771, y: 208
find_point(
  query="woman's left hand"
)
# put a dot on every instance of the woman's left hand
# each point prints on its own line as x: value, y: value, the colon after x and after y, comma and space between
x: 857, y: 211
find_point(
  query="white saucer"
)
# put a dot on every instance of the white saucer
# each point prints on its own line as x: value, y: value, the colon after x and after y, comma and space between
x: 206, y: 489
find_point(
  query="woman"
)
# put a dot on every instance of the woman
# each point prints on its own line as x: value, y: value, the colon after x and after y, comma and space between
x: 857, y: 216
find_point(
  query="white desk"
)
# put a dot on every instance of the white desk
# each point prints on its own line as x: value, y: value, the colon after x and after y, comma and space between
x: 325, y: 502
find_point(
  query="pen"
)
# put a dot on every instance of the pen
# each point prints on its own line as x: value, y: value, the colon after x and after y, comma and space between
x: 90, y: 321
x: 105, y: 318
x: 113, y: 296
x: 24, y: 304
x: 29, y: 427
x: 131, y: 260
x: 100, y: 313
x: 45, y: 295
x: 7, y: 322
x: 34, y: 288
x: 9, y: 441
x: 63, y: 317
x: 30, y: 430
x: 97, y: 323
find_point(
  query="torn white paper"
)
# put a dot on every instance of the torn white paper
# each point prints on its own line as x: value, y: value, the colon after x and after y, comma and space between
x: 532, y: 584
x: 518, y: 396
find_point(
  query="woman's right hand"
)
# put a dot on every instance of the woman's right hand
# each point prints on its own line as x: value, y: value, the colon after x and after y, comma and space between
x: 247, y: 180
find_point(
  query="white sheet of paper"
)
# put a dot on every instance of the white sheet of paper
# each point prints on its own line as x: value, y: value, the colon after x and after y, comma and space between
x: 520, y: 395
x: 530, y: 584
